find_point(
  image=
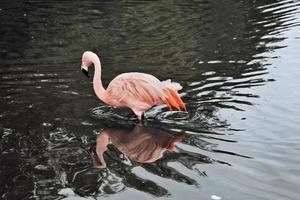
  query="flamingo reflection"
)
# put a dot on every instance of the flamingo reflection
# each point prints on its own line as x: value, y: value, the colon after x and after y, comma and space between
x: 141, y: 144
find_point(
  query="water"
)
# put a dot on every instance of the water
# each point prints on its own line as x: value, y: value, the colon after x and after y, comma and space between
x: 236, y: 60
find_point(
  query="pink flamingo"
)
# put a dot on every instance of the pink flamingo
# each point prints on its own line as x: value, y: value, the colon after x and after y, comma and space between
x: 137, y: 91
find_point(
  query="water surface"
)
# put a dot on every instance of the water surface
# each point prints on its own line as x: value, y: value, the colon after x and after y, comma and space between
x: 238, y: 63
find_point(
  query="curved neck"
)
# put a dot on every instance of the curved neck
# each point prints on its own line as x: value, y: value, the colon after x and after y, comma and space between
x: 97, y: 83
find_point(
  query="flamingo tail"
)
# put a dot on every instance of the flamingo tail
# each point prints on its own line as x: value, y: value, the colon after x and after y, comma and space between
x: 176, y: 139
x: 172, y: 97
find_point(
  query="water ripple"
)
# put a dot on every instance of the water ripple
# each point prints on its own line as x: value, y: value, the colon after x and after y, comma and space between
x: 226, y: 55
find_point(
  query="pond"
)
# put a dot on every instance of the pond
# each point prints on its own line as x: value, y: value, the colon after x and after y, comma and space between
x: 238, y: 63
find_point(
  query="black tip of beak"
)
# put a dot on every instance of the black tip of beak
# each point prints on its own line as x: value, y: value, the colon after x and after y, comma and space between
x: 85, y: 73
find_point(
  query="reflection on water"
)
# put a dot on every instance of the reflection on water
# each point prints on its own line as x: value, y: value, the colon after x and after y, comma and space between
x: 237, y: 62
x: 141, y: 144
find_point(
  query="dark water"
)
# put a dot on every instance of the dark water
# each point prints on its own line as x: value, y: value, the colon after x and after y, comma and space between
x: 238, y: 63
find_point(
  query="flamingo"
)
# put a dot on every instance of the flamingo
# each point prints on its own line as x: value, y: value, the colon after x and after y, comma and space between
x: 137, y: 91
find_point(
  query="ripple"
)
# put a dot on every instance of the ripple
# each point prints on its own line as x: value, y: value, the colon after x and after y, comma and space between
x: 239, y: 140
x: 110, y: 113
x: 208, y: 73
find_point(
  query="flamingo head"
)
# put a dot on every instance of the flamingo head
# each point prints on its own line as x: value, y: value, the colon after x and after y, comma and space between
x: 86, y: 62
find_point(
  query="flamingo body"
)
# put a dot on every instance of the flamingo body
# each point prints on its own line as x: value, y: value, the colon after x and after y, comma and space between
x: 137, y: 91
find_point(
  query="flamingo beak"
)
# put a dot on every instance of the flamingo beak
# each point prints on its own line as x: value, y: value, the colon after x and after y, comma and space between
x: 84, y: 69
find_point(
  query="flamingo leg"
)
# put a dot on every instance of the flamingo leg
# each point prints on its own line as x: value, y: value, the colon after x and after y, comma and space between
x: 140, y: 117
x: 138, y: 114
x: 143, y: 116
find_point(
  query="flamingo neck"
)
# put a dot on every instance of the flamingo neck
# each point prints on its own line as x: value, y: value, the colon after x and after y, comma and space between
x: 97, y: 83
